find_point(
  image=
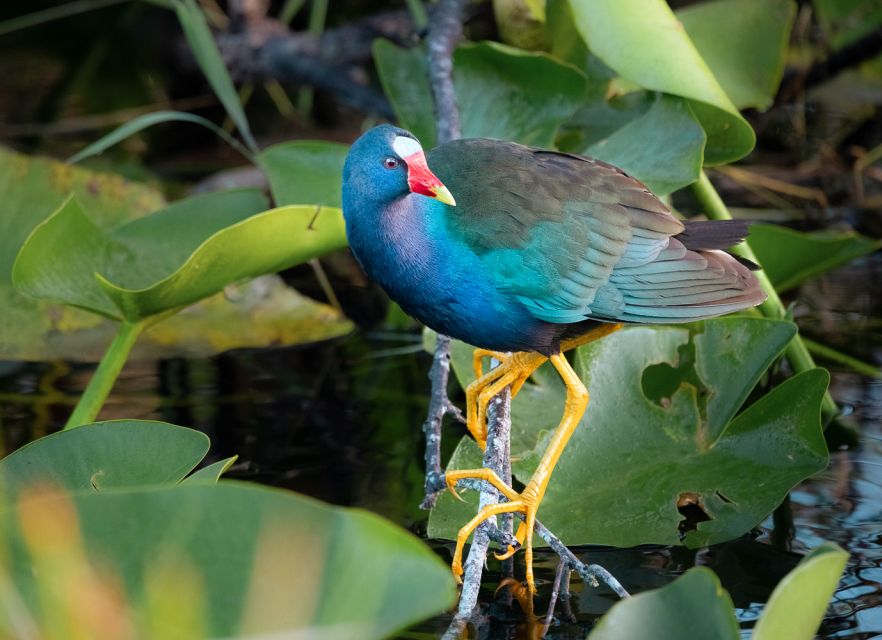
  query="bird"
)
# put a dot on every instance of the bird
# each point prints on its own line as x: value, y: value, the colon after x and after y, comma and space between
x: 525, y: 253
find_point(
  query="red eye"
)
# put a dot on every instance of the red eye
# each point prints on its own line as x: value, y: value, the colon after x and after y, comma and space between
x: 390, y: 163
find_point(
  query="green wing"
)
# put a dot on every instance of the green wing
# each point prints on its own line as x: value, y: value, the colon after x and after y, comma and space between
x: 552, y: 228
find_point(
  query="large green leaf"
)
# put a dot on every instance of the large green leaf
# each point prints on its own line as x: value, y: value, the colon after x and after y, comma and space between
x: 502, y: 92
x: 264, y: 311
x: 305, y: 172
x: 695, y: 605
x: 222, y: 561
x: 256, y: 315
x: 172, y: 258
x: 744, y: 42
x: 105, y: 455
x: 644, y: 42
x: 30, y: 189
x: 663, y: 148
x: 260, y: 312
x: 511, y: 94
x: 790, y: 257
x: 660, y: 424
x: 33, y: 187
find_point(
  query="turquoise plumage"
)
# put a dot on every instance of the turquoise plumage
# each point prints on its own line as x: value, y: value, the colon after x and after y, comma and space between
x: 539, y: 244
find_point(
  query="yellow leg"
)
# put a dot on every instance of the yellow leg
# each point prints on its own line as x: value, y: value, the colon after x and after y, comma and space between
x: 512, y: 370
x: 478, y: 359
x: 527, y: 502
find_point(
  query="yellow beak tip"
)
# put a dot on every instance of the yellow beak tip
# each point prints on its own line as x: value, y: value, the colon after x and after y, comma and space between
x: 443, y: 194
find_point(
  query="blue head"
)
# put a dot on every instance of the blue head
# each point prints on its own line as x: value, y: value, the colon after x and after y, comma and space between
x: 384, y: 165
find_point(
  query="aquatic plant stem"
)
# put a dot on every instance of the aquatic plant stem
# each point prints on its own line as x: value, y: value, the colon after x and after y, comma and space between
x: 797, y: 353
x: 105, y: 375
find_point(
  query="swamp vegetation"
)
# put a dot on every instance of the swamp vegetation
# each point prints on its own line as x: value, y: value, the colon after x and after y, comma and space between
x: 197, y: 383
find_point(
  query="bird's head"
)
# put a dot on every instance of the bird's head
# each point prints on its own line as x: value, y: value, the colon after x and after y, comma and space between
x: 387, y: 163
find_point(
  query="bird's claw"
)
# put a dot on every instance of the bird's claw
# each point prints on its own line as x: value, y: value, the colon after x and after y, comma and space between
x: 451, y: 487
x: 456, y: 568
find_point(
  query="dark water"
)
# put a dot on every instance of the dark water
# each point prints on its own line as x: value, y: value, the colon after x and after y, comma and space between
x: 340, y: 421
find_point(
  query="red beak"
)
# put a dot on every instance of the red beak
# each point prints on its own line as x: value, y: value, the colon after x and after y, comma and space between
x: 421, y: 180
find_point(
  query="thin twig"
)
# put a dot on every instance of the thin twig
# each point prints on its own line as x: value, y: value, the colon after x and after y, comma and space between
x: 498, y: 433
x: 444, y: 35
x: 588, y: 572
x: 445, y: 32
x: 563, y: 569
x: 439, y: 404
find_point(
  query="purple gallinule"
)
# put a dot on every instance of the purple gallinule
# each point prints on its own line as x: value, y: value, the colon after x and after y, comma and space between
x: 533, y: 252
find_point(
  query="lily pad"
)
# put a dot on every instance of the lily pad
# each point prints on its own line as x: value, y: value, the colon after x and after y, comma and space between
x: 31, y: 188
x: 695, y: 605
x: 790, y: 257
x: 744, y: 42
x: 663, y: 148
x: 167, y: 261
x: 502, y: 92
x: 256, y: 315
x: 261, y: 312
x: 305, y: 172
x: 241, y: 561
x: 798, y: 603
x: 105, y: 455
x: 673, y: 390
x: 645, y: 43
x: 510, y: 94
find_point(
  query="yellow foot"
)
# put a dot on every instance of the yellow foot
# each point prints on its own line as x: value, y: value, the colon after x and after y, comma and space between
x: 512, y: 370
x: 526, y: 502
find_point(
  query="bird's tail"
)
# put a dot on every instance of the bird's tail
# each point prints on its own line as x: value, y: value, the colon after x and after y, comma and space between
x: 692, y: 279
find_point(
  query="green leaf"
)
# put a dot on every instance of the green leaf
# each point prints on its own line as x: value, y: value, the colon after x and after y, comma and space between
x: 253, y: 315
x: 502, y: 92
x: 791, y: 257
x: 664, y: 148
x: 241, y: 561
x: 660, y: 423
x: 845, y: 21
x: 511, y: 94
x: 695, y: 605
x: 305, y: 172
x: 261, y: 312
x: 644, y: 42
x: 169, y: 260
x: 105, y: 455
x: 404, y: 74
x: 744, y: 42
x: 210, y: 474
x: 148, y: 120
x: 208, y: 56
x: 797, y: 605
x: 31, y: 188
